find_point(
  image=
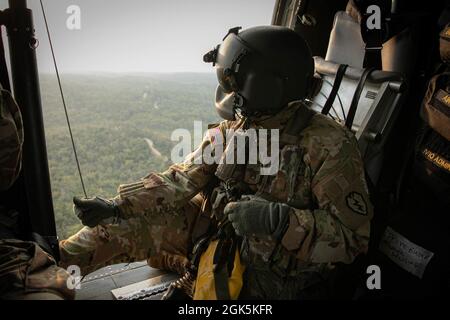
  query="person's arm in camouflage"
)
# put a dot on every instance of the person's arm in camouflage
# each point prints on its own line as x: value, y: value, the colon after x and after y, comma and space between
x: 330, y: 184
x: 338, y: 230
x: 171, y: 189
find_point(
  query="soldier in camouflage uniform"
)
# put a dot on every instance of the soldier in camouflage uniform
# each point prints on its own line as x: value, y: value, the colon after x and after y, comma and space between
x: 26, y: 270
x: 295, y: 225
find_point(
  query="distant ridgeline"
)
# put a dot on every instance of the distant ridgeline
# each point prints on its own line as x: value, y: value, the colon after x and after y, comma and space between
x: 122, y: 126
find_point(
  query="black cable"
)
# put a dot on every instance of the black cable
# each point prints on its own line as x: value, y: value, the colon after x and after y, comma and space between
x: 342, y: 107
x: 332, y: 108
x: 356, y: 96
x: 340, y: 73
x: 337, y: 95
x: 63, y: 99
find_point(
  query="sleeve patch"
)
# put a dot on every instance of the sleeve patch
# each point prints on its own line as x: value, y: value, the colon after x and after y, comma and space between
x: 355, y: 201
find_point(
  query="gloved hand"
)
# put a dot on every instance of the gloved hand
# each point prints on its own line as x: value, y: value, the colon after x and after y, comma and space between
x: 254, y: 216
x: 92, y: 211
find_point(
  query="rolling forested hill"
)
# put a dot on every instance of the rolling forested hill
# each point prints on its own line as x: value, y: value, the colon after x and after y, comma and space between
x: 113, y: 118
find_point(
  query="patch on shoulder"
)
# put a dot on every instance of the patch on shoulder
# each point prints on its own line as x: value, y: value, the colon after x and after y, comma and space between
x: 355, y: 201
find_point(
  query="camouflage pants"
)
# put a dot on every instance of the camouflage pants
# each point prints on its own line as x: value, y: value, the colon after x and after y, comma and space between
x: 163, y: 238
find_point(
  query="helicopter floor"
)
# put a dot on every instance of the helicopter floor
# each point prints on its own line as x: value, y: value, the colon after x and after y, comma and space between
x: 124, y: 279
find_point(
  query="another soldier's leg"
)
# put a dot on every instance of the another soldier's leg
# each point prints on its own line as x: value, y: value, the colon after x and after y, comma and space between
x: 164, y: 239
x: 28, y: 273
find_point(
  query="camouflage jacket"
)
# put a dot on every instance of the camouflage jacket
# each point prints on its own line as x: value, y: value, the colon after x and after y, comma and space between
x: 27, y: 272
x: 320, y: 176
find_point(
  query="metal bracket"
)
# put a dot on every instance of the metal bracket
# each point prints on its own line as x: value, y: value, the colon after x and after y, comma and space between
x: 234, y: 30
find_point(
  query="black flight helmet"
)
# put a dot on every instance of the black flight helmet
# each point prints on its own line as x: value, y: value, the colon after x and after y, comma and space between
x: 260, y: 70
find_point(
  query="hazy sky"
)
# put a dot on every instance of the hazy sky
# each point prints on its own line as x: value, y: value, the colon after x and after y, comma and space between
x: 141, y: 35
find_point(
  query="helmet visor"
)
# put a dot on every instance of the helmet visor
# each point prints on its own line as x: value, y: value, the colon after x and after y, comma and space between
x: 229, y: 55
x: 225, y: 104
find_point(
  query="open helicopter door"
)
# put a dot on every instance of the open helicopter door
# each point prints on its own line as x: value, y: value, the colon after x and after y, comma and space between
x: 31, y: 193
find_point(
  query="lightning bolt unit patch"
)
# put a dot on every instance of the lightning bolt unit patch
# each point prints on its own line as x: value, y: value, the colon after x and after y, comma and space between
x: 355, y: 201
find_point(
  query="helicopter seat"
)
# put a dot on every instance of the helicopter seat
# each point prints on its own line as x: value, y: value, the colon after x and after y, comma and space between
x: 376, y: 112
x: 346, y: 45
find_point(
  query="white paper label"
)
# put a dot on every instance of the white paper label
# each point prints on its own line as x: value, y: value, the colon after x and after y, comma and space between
x: 404, y: 253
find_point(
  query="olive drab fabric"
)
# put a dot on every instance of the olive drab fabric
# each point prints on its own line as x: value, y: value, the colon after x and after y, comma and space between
x: 28, y: 272
x: 444, y: 44
x: 320, y: 177
x: 436, y: 105
x: 11, y: 140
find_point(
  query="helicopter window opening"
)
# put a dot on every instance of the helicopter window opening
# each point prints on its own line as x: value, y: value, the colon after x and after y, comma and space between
x: 132, y: 73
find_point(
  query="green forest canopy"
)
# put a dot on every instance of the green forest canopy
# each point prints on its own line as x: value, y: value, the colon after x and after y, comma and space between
x: 111, y: 116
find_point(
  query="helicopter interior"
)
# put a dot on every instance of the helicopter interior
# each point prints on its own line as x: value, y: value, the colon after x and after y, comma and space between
x: 371, y: 82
